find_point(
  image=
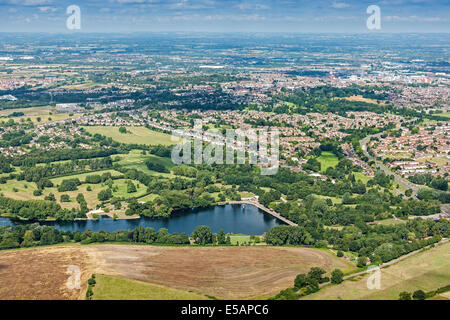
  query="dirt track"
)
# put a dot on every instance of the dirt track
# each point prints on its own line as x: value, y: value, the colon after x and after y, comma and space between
x: 226, y: 273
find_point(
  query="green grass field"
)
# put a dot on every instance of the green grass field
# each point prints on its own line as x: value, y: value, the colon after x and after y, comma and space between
x: 390, y: 222
x: 34, y: 113
x: 235, y: 238
x: 334, y: 200
x: 138, y: 135
x: 327, y: 159
x: 444, y: 114
x: 361, y: 177
x: 114, y: 288
x: 136, y: 160
x: 22, y: 190
x: 426, y: 271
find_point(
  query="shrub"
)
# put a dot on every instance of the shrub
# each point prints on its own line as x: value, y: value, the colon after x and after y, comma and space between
x: 419, y: 295
x: 337, y: 276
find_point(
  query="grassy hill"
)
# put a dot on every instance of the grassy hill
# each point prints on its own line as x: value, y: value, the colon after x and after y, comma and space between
x: 426, y: 271
x: 114, y: 288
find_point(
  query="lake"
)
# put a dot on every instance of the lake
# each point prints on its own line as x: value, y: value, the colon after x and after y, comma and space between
x: 234, y: 219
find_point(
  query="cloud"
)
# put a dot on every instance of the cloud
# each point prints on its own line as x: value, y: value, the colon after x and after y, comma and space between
x: 414, y: 18
x: 47, y: 9
x: 252, y: 6
x: 339, y: 5
x: 29, y: 3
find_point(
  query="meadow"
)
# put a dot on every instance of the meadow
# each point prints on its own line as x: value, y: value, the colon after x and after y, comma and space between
x: 138, y: 135
x: 136, y: 160
x: 115, y: 288
x: 46, y: 114
x: 23, y: 190
x: 327, y: 159
x: 444, y: 114
x: 425, y: 271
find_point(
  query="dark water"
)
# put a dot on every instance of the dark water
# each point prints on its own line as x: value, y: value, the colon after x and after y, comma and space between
x: 231, y: 218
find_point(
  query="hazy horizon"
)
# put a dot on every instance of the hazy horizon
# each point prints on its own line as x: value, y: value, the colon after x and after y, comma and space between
x: 279, y: 16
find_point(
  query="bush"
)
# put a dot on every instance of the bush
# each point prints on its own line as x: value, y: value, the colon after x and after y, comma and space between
x: 419, y: 295
x: 337, y: 276
x: 65, y: 198
x: 105, y: 195
x: 300, y: 281
x: 404, y: 296
x: 362, y: 262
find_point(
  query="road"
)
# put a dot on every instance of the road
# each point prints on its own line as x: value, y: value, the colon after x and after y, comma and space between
x: 407, y: 184
x: 445, y: 208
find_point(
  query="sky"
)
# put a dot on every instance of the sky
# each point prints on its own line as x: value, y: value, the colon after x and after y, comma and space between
x: 225, y: 15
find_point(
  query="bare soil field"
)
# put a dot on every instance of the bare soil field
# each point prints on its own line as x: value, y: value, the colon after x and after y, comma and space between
x: 222, y: 272
x: 41, y: 273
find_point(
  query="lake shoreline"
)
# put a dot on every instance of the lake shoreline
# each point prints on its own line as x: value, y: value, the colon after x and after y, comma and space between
x: 232, y: 218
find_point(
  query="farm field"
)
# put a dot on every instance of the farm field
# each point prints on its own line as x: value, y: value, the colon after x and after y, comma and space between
x: 327, y: 159
x: 362, y: 99
x: 221, y: 272
x: 115, y: 288
x: 34, y: 113
x: 40, y: 273
x: 427, y: 271
x: 138, y: 135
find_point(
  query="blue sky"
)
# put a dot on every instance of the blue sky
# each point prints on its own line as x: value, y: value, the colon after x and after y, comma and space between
x: 225, y: 15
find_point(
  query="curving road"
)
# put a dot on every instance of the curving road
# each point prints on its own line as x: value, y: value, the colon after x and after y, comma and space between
x: 407, y: 184
x: 445, y: 208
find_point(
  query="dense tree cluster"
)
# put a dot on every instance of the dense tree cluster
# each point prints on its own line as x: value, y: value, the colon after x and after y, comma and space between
x: 30, y: 235
x: 36, y: 209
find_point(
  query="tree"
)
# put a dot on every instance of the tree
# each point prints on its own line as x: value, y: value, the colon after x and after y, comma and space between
x: 419, y: 295
x: 131, y: 187
x: 50, y: 197
x: 65, y: 198
x: 362, y: 262
x: 105, y: 195
x: 28, y: 239
x: 123, y: 130
x: 300, y: 281
x: 315, y: 275
x: 404, y: 296
x: 278, y: 235
x: 337, y: 276
x: 202, y: 235
x: 221, y: 237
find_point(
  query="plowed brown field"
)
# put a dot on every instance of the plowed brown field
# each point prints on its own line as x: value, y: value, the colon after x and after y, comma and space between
x: 222, y: 272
